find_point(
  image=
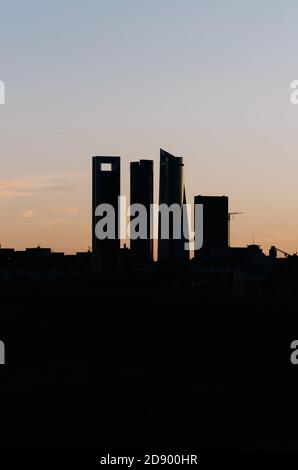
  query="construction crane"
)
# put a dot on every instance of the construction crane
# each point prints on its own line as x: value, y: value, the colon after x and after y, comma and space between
x: 231, y: 215
x: 273, y: 252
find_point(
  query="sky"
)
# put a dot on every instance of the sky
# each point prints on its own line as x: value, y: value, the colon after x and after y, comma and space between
x: 208, y: 80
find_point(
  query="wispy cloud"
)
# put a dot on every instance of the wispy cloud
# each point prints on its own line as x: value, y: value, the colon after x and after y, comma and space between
x: 28, y: 214
x: 52, y: 222
x: 12, y: 188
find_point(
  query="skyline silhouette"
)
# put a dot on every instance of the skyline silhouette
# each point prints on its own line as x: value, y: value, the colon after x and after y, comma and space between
x: 136, y: 182
x: 110, y: 255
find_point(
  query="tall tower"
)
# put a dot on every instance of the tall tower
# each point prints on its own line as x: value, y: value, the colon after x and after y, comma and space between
x: 106, y: 190
x: 141, y: 192
x: 215, y: 227
x: 171, y: 191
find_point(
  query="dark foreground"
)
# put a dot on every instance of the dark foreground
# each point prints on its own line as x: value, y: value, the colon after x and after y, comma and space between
x: 127, y: 364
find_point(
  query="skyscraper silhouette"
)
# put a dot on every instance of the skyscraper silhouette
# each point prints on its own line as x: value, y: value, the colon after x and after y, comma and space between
x: 215, y: 227
x: 171, y: 191
x: 141, y: 192
x: 106, y: 190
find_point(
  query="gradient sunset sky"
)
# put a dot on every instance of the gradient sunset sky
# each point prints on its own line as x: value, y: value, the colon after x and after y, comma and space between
x: 208, y: 80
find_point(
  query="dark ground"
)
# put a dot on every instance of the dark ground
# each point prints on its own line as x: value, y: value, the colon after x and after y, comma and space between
x: 130, y: 364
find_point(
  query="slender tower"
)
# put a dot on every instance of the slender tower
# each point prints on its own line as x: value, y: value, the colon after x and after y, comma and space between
x: 171, y: 191
x: 141, y: 192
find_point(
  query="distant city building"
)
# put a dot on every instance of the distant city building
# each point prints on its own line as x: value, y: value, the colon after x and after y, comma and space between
x: 38, y: 251
x: 171, y: 191
x: 141, y: 192
x: 249, y: 257
x: 215, y: 227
